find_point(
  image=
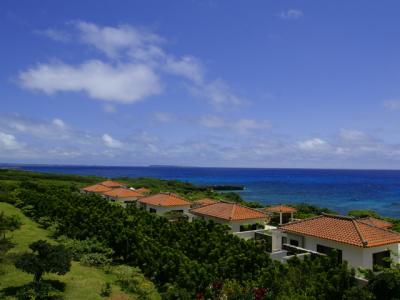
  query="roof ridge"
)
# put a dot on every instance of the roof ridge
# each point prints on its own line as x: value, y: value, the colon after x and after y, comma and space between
x: 301, y: 221
x: 363, y: 240
x: 238, y: 204
x: 232, y: 212
x: 377, y: 227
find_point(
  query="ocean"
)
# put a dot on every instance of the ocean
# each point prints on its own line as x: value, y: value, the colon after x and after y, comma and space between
x: 339, y: 190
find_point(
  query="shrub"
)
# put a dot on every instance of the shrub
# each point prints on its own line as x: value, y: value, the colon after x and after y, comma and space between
x: 42, y: 291
x: 79, y: 248
x: 45, y: 222
x: 95, y: 260
x: 131, y: 280
x: 106, y: 290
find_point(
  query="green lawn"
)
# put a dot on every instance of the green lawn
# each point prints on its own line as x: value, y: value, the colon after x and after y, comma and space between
x: 80, y: 283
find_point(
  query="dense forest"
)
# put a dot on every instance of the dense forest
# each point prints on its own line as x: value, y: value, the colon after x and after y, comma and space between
x: 185, y: 260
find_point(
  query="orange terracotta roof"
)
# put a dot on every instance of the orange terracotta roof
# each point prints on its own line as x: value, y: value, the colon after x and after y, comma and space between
x: 164, y: 199
x: 112, y: 184
x: 377, y: 222
x: 122, y: 193
x: 228, y: 211
x: 96, y: 188
x: 142, y: 190
x: 280, y: 209
x: 204, y: 201
x: 346, y: 230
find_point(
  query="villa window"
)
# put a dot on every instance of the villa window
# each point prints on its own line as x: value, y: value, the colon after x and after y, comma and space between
x: 330, y: 251
x: 294, y: 243
x: 381, y: 259
x: 153, y: 210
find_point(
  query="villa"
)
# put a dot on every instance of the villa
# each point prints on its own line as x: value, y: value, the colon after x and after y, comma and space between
x: 284, y: 212
x: 96, y: 188
x: 164, y: 202
x: 238, y: 217
x: 123, y: 195
x: 113, y: 184
x: 103, y: 186
x: 360, y: 242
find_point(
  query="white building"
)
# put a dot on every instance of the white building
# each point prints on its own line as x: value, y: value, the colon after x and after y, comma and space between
x: 360, y: 242
x: 239, y: 218
x: 163, y: 203
x: 123, y: 195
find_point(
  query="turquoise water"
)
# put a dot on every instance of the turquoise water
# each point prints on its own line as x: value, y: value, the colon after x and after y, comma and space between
x: 340, y: 190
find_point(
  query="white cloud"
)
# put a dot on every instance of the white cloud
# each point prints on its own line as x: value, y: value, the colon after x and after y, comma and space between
x: 132, y: 71
x: 217, y: 92
x: 315, y: 144
x: 125, y: 83
x: 352, y: 135
x: 8, y: 142
x: 111, y: 142
x: 188, y: 66
x: 291, y: 14
x: 59, y: 123
x: 392, y: 104
x: 241, y: 126
x: 54, y: 34
x: 112, y: 40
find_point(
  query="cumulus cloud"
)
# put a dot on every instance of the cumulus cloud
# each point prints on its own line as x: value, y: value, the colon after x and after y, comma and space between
x: 55, y: 141
x: 188, y: 66
x: 9, y: 142
x: 132, y: 70
x: 291, y: 14
x: 314, y: 145
x: 241, y: 126
x: 217, y: 92
x: 113, y: 40
x: 125, y: 83
x: 392, y: 104
x: 111, y: 142
x: 59, y: 123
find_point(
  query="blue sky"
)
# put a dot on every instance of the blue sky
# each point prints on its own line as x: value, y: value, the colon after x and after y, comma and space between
x: 204, y: 83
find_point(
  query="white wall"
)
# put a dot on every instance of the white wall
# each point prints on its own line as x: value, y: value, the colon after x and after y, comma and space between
x: 122, y: 200
x: 160, y: 210
x: 355, y: 256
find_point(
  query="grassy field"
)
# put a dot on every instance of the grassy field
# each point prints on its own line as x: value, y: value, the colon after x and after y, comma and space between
x: 80, y: 283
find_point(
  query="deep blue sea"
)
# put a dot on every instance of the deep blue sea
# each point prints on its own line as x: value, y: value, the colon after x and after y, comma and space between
x: 340, y: 190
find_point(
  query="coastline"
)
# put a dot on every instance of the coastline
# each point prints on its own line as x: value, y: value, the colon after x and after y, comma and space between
x: 339, y: 190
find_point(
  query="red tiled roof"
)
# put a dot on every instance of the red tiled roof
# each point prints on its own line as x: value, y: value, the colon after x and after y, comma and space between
x: 164, y: 199
x: 142, y: 190
x: 346, y: 230
x: 280, y: 209
x: 96, y: 188
x: 122, y: 193
x: 112, y: 184
x: 377, y: 222
x: 204, y: 201
x: 228, y: 211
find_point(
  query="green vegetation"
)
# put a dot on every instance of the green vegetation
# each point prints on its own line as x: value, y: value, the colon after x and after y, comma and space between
x: 81, y: 282
x: 362, y: 213
x: 183, y: 260
x: 44, y: 258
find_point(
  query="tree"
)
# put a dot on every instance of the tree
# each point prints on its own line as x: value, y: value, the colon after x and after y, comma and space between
x: 7, y: 223
x: 45, y: 258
